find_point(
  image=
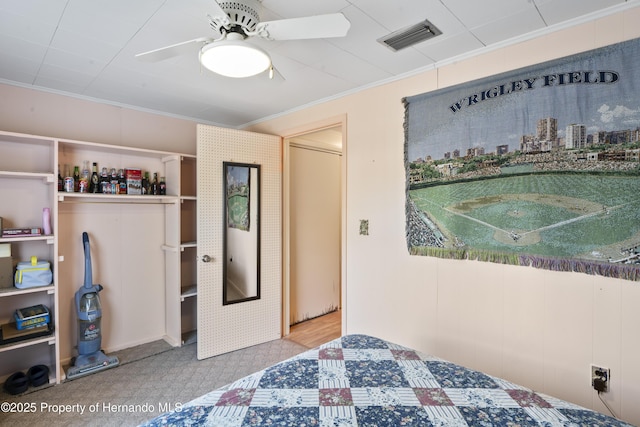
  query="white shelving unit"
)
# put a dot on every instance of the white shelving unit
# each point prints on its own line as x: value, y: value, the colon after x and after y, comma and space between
x: 143, y: 247
x: 28, y: 183
x: 138, y: 240
x: 181, y: 254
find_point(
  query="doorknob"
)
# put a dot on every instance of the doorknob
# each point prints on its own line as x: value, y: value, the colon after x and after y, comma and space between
x: 206, y: 258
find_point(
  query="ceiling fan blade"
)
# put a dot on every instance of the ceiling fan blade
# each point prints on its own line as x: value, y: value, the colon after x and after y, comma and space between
x: 219, y: 15
x: 171, y: 51
x: 310, y: 27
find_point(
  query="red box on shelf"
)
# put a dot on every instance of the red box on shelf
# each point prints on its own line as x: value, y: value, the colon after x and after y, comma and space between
x: 134, y: 181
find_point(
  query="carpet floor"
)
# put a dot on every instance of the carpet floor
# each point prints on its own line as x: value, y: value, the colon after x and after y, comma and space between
x: 151, y: 379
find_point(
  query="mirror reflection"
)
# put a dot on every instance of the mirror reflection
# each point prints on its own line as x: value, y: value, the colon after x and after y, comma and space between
x: 241, y: 277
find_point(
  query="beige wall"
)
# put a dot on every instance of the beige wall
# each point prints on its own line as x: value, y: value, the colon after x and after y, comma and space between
x: 539, y: 328
x: 42, y: 113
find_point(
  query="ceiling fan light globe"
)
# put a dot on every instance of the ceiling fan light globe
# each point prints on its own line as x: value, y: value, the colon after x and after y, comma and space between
x: 234, y: 59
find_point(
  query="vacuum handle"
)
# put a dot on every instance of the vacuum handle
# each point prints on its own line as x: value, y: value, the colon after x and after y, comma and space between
x: 88, y: 274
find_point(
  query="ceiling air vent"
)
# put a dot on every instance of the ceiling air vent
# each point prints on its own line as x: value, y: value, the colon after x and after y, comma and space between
x: 409, y: 36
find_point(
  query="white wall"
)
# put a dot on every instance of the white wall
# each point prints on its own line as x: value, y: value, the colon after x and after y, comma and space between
x: 538, y: 328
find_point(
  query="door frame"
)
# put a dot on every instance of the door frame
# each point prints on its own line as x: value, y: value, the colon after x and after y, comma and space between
x: 336, y: 121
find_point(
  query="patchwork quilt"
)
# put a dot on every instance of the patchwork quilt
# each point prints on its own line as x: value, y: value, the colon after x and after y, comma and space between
x: 359, y: 380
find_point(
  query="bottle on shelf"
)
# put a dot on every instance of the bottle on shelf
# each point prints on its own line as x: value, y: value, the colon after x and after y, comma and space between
x: 76, y: 179
x: 146, y: 186
x: 46, y: 221
x: 105, y: 185
x: 60, y: 180
x: 162, y: 187
x: 68, y: 179
x: 115, y: 185
x: 122, y: 182
x: 94, y: 185
x: 154, y: 184
x: 84, y: 178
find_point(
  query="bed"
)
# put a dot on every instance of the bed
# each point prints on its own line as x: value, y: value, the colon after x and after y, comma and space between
x: 359, y: 380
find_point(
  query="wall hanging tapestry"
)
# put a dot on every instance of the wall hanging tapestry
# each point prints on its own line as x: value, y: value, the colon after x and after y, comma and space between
x: 538, y: 166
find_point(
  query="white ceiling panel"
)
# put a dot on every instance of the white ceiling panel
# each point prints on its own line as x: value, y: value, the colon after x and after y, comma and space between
x: 134, y: 12
x: 352, y: 69
x: 481, y: 13
x: 63, y: 84
x: 445, y: 47
x: 57, y: 64
x: 22, y: 48
x: 37, y: 11
x: 97, y: 26
x: 18, y: 69
x: 87, y: 48
x: 23, y: 27
x: 395, y: 15
x: 508, y: 27
x: 557, y: 11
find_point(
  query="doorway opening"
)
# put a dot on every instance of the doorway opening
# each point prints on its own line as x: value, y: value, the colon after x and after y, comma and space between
x: 313, y: 241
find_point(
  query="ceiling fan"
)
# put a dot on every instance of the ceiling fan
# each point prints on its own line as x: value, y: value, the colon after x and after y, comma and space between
x: 233, y: 22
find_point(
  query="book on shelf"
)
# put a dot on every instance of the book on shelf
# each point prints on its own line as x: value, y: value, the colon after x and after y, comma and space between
x: 22, y: 232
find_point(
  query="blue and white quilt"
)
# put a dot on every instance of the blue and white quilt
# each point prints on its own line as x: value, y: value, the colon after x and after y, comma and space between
x: 358, y: 380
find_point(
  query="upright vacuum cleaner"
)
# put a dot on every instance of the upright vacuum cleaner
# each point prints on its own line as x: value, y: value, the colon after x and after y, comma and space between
x: 90, y: 358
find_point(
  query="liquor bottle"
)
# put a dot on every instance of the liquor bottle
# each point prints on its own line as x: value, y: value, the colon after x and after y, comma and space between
x: 115, y: 186
x: 146, y: 186
x: 60, y: 180
x: 68, y: 179
x: 154, y: 184
x: 162, y: 188
x: 105, y: 186
x: 122, y: 182
x: 94, y: 185
x: 85, y: 177
x: 76, y: 179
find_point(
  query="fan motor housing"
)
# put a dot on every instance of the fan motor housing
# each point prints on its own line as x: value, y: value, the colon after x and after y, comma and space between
x: 243, y: 14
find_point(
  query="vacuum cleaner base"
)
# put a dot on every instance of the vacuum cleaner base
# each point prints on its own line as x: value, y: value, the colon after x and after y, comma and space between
x: 86, y: 364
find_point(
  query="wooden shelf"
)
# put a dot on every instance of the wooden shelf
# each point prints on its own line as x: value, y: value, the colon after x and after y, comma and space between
x: 28, y: 179
x: 47, y: 177
x: 9, y: 292
x: 48, y: 237
x: 115, y: 198
x: 49, y: 339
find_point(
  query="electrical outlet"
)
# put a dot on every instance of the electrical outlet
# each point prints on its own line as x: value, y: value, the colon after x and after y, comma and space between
x: 600, y: 378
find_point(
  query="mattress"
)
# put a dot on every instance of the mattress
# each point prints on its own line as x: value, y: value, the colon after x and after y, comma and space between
x: 359, y: 380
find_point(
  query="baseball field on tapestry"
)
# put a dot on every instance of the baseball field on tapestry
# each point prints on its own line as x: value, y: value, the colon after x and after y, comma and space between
x: 564, y: 215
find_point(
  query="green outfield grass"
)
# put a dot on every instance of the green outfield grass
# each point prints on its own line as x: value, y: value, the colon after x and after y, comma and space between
x: 564, y: 215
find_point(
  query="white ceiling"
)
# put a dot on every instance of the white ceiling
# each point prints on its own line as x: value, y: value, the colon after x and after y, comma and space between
x: 87, y: 48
